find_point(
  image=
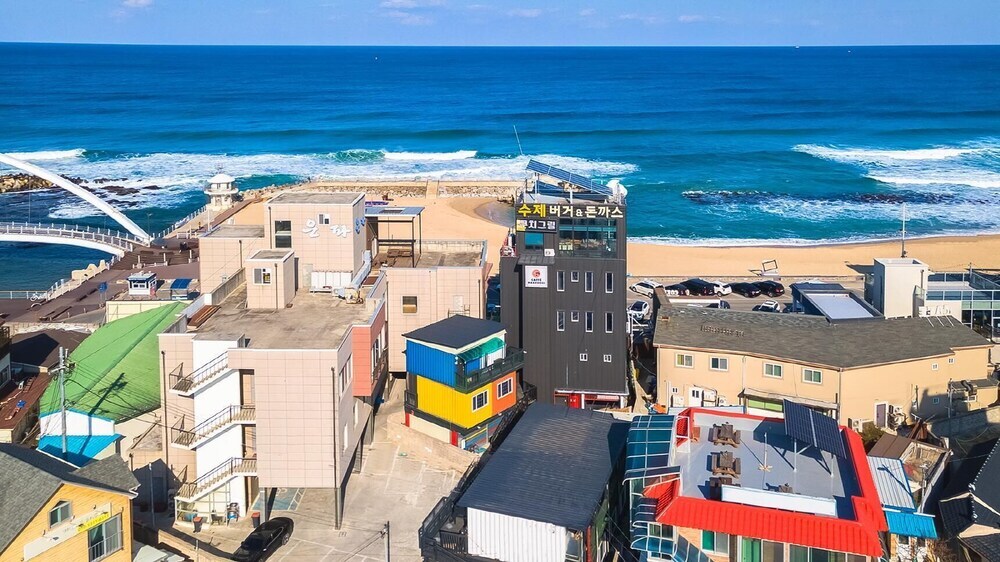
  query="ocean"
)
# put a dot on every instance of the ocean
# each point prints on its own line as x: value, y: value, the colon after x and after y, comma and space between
x: 720, y: 146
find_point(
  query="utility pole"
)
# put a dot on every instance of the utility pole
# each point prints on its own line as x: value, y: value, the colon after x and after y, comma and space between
x: 62, y: 398
x: 903, y: 253
x: 385, y: 535
x: 152, y: 504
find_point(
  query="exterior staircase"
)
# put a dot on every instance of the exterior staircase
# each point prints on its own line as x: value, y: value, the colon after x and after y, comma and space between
x: 229, y: 469
x: 186, y: 385
x: 191, y: 438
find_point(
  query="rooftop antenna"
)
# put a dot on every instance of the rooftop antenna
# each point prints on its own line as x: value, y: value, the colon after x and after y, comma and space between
x: 518, y: 141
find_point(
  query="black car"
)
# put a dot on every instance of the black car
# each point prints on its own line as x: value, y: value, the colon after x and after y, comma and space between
x: 770, y: 288
x: 676, y: 290
x: 698, y: 287
x: 264, y: 540
x: 748, y: 290
x: 720, y: 304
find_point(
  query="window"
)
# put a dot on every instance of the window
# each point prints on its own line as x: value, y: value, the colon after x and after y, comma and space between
x: 607, y: 357
x: 719, y: 364
x: 574, y: 316
x: 505, y: 388
x: 682, y: 360
x: 934, y: 366
x: 560, y: 281
x: 324, y: 219
x: 574, y: 276
x: 583, y: 357
x: 812, y: 375
x: 660, y: 531
x: 409, y: 305
x: 355, y: 413
x: 717, y: 543
x: 772, y: 370
x: 61, y: 512
x: 609, y: 322
x: 951, y: 360
x: 593, y: 237
x: 609, y: 282
x: 105, y: 539
x: 344, y: 377
x: 772, y: 551
x: 346, y: 437
x: 588, y: 321
x: 805, y: 554
x: 282, y: 234
x: 561, y: 320
x: 588, y: 282
x: 480, y: 400
x: 936, y: 400
x: 261, y: 276
x: 534, y: 241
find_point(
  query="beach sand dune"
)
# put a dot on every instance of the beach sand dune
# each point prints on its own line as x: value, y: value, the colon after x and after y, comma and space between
x: 465, y: 217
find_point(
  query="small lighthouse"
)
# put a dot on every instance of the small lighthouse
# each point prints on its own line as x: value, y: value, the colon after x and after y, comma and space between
x: 220, y: 192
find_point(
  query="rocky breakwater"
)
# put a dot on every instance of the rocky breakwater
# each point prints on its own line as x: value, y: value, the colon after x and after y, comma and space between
x: 13, y: 183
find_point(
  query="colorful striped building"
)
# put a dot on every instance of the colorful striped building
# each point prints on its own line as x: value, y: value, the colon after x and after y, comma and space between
x: 461, y: 376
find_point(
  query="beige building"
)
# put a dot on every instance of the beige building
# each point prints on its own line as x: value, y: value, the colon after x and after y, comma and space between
x: 223, y: 250
x: 884, y: 371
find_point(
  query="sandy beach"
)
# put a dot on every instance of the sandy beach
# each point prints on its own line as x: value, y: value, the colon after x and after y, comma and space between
x: 463, y: 217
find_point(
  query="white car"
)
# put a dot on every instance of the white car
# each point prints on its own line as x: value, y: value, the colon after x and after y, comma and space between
x: 768, y: 306
x: 645, y: 287
x: 721, y: 288
x: 638, y: 310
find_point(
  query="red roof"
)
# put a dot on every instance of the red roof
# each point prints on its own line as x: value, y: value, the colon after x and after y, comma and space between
x: 858, y: 535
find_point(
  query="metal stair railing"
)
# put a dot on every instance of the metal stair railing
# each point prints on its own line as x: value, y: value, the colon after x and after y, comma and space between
x: 191, y: 491
x: 106, y: 236
x: 187, y: 384
x: 220, y: 420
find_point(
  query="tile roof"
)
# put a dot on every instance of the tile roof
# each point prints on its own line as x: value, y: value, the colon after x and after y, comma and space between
x: 972, y: 500
x: 553, y: 467
x: 813, y: 339
x: 28, y: 478
x: 455, y: 331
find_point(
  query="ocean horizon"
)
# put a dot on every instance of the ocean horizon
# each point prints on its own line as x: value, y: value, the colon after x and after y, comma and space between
x: 717, y: 145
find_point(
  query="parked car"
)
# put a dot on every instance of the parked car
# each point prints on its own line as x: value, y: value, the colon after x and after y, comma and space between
x: 721, y: 288
x: 638, y: 310
x: 261, y: 543
x: 770, y: 288
x: 645, y: 287
x: 699, y: 287
x: 768, y: 306
x: 676, y: 290
x: 720, y: 304
x: 748, y: 290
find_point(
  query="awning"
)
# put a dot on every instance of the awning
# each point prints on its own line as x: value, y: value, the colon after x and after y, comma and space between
x: 491, y: 345
x: 797, y: 399
x: 910, y: 524
x: 180, y: 284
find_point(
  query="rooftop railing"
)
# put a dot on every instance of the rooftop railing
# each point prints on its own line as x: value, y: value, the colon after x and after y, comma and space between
x: 468, y: 381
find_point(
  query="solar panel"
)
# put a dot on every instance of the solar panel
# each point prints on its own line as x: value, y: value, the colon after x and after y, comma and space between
x: 648, y: 448
x: 575, y: 179
x: 810, y: 426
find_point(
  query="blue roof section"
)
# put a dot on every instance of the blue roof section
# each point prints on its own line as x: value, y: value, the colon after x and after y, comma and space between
x: 80, y: 449
x: 906, y: 524
x: 553, y: 467
x: 648, y: 449
x: 180, y: 284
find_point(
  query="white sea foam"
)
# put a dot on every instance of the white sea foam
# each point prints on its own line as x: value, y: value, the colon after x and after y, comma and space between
x: 429, y: 156
x: 882, y: 155
x: 984, y: 180
x: 178, y: 174
x: 48, y: 155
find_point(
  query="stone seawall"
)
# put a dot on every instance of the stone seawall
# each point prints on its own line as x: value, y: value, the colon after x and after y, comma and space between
x: 386, y: 190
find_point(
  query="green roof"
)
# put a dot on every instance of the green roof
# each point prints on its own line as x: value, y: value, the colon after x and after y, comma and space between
x: 116, y: 372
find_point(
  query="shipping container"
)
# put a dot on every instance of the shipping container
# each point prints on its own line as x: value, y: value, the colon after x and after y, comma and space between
x: 430, y: 363
x: 513, y: 539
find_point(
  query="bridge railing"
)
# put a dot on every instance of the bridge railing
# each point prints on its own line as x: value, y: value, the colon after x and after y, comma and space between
x: 103, y: 235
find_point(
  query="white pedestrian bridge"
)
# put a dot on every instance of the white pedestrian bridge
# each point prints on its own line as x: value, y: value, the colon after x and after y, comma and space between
x: 102, y: 239
x: 110, y: 241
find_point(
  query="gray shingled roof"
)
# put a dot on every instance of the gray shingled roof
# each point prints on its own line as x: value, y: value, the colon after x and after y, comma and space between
x: 28, y: 478
x: 455, y: 331
x: 812, y: 339
x: 553, y: 467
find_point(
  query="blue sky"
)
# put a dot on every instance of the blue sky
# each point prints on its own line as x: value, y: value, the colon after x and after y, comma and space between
x: 503, y: 22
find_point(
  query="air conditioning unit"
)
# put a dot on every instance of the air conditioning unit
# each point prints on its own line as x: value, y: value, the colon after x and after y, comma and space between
x: 896, y: 417
x: 722, y: 401
x: 709, y: 395
x: 858, y: 424
x: 676, y: 401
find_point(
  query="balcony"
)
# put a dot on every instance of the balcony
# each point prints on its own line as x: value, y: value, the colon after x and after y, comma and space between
x: 186, y: 385
x: 229, y: 469
x: 228, y: 416
x: 467, y: 382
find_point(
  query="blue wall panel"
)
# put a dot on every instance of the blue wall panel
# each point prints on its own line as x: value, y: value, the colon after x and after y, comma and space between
x: 431, y: 363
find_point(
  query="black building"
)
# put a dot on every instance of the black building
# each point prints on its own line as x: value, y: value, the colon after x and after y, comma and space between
x: 562, y: 278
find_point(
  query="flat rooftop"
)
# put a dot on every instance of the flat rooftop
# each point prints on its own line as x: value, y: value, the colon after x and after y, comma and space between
x: 315, y: 198
x: 270, y: 255
x: 839, y: 306
x: 379, y: 212
x: 810, y: 472
x: 314, y: 321
x: 236, y: 231
x: 436, y: 253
